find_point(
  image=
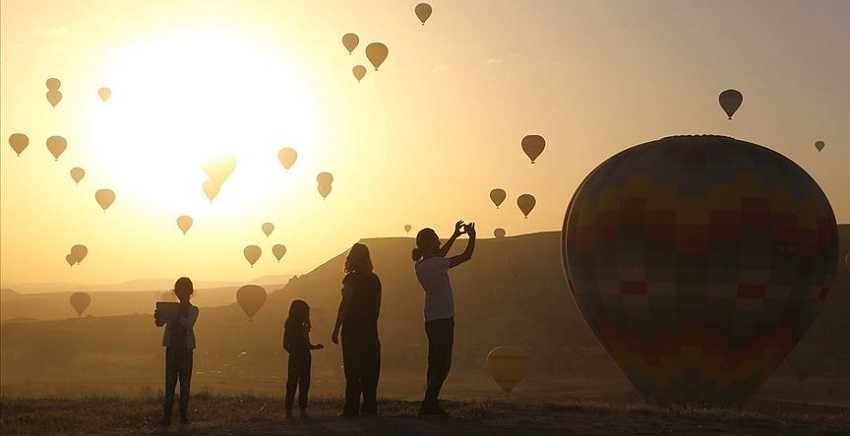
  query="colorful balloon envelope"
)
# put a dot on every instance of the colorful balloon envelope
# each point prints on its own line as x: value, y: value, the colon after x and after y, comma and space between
x: 252, y: 254
x: 56, y: 145
x: 377, y: 53
x: 105, y: 198
x: 423, y: 12
x: 350, y: 41
x: 287, y: 157
x: 279, y: 250
x: 79, y: 252
x: 820, y: 145
x: 407, y: 228
x: 498, y: 196
x: 184, y: 222
x: 77, y: 174
x: 532, y: 146
x: 526, y: 203
x: 507, y: 366
x: 104, y: 93
x: 699, y: 262
x: 359, y: 72
x: 267, y: 228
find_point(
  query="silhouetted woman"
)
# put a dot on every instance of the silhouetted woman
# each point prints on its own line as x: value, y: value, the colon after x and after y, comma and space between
x: 179, y: 342
x: 358, y: 316
x: 432, y: 270
x: 296, y: 341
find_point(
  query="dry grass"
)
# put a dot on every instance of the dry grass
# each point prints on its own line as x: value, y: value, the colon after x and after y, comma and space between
x: 264, y: 415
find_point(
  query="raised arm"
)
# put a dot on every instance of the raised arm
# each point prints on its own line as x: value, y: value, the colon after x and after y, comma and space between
x: 470, y: 248
x: 340, y: 314
x: 444, y: 250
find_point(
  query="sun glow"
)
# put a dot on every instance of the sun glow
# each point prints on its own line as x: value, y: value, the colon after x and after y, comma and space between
x: 189, y: 97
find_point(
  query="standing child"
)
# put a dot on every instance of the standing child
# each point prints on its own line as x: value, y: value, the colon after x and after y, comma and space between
x: 296, y: 341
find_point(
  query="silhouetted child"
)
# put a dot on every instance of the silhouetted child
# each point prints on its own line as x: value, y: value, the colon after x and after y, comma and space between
x: 296, y: 341
x: 179, y: 342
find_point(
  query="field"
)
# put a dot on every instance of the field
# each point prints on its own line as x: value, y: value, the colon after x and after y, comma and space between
x: 264, y: 415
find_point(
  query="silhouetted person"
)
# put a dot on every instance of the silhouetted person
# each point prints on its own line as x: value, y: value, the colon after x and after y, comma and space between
x: 358, y: 316
x: 432, y: 270
x: 179, y: 341
x: 296, y: 341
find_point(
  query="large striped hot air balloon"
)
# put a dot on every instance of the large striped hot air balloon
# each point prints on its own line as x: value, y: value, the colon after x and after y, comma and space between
x: 699, y: 262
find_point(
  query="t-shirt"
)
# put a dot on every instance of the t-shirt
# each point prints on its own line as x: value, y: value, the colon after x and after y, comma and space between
x: 433, y: 275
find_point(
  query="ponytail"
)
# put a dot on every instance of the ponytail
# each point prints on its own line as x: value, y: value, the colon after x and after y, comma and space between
x: 417, y: 254
x: 427, y: 241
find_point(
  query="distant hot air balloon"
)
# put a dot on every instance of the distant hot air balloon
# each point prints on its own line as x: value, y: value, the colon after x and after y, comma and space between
x: 730, y: 101
x: 77, y: 174
x: 211, y: 189
x: 184, y: 222
x: 287, y: 157
x: 533, y: 146
x: 699, y: 293
x: 80, y: 301
x: 70, y: 259
x: 359, y: 72
x: 54, y: 96
x: 279, y: 250
x: 18, y: 142
x: 820, y: 145
x: 251, y: 299
x: 79, y: 252
x: 56, y: 145
x: 268, y: 228
x: 252, y: 254
x: 350, y: 41
x: 325, y: 181
x: 407, y: 228
x: 526, y: 203
x: 423, y: 11
x: 377, y: 53
x: 104, y: 93
x: 499, y: 232
x: 497, y: 196
x: 105, y: 198
x: 220, y: 169
x: 508, y: 366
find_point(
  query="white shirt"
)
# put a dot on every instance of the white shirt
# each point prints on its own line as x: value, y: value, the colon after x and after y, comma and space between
x: 433, y: 275
x: 188, y: 322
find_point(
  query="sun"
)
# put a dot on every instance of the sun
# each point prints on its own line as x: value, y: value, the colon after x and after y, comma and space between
x: 185, y: 98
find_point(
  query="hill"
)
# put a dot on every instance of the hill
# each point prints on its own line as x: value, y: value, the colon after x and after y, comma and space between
x: 512, y: 292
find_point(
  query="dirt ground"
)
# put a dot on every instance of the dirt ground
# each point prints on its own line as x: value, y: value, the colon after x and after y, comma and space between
x: 248, y: 415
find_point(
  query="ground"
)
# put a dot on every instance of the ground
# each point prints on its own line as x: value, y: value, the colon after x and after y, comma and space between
x: 251, y: 415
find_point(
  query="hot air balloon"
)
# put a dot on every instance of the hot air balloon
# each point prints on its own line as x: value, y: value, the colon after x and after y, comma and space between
x: 54, y: 96
x: 251, y: 299
x: 819, y: 145
x: 79, y: 252
x: 423, y: 11
x: 69, y: 258
x: 407, y: 228
x: 185, y: 223
x: 219, y: 170
x: 287, y: 157
x: 526, y: 203
x: 252, y: 254
x: 730, y: 101
x: 56, y: 145
x: 359, y: 72
x: 508, y: 366
x: 499, y: 232
x: 497, y: 196
x: 268, y: 228
x: 104, y: 198
x: 80, y: 301
x: 699, y: 262
x: 350, y: 41
x: 533, y: 146
x: 377, y: 53
x: 104, y: 93
x: 325, y: 181
x: 279, y: 250
x: 18, y: 142
x: 77, y: 174
x: 211, y: 189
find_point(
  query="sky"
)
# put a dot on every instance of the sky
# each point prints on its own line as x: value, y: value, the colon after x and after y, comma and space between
x: 422, y: 141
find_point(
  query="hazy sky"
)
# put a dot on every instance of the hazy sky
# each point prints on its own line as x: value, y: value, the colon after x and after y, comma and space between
x: 422, y: 141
